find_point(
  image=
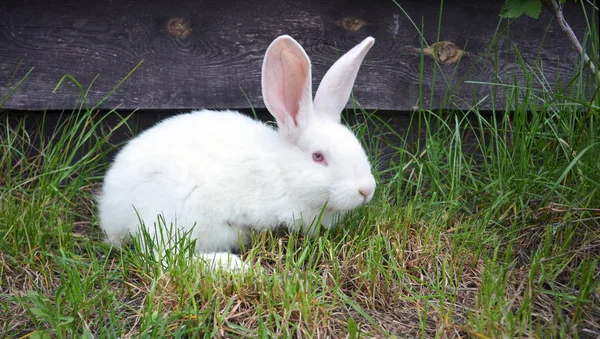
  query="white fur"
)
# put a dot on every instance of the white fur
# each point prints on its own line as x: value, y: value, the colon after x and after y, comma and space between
x: 225, y: 174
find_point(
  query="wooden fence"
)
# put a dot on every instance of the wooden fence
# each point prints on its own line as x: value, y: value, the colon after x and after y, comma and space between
x: 207, y: 54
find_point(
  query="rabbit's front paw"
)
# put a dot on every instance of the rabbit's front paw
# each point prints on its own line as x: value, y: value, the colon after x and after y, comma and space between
x: 224, y: 261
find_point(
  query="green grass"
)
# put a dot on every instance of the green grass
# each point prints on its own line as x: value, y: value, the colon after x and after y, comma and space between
x: 489, y: 227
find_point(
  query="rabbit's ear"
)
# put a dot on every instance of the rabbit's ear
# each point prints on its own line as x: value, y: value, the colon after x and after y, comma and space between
x: 286, y: 84
x: 334, y: 91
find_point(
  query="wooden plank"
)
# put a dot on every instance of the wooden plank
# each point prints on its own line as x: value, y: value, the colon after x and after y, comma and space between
x: 206, y: 53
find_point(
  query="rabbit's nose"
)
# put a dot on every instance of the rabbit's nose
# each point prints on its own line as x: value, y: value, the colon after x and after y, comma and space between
x: 366, y: 192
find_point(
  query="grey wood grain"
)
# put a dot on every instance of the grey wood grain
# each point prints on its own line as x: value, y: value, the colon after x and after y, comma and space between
x: 207, y: 54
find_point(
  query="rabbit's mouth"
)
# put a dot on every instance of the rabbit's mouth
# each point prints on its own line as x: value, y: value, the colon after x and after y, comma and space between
x: 349, y: 201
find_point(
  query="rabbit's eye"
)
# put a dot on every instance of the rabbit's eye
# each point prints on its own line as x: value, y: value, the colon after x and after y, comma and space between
x: 319, y: 157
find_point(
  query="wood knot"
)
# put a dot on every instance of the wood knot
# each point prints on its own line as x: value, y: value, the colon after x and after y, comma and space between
x: 445, y: 52
x: 179, y: 28
x: 351, y: 23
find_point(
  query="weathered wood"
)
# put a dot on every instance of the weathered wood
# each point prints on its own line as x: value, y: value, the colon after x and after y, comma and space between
x: 201, y: 53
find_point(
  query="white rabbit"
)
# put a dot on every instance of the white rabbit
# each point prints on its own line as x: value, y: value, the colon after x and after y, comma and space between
x: 222, y: 174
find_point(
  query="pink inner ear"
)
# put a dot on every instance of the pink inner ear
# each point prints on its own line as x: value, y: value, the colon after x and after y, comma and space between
x: 294, y: 77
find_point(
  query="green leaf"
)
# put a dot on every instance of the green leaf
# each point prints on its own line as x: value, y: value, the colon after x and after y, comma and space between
x: 38, y: 312
x: 40, y: 335
x: 515, y: 8
x: 352, y: 328
x: 533, y: 8
x: 65, y: 320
